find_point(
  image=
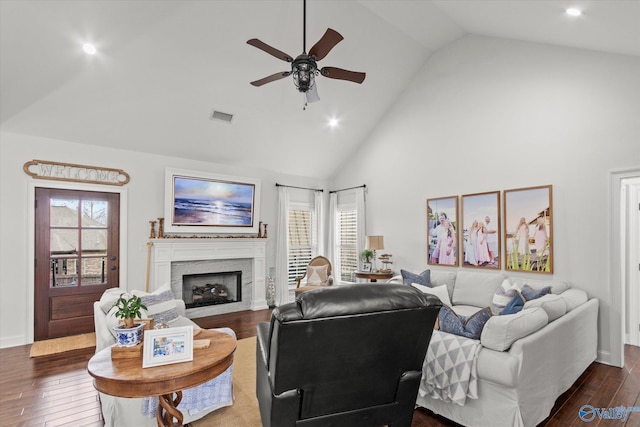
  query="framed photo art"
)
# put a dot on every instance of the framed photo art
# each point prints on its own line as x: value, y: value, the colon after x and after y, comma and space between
x: 442, y: 231
x: 201, y: 202
x: 366, y: 267
x: 480, y: 230
x: 528, y: 229
x: 168, y: 345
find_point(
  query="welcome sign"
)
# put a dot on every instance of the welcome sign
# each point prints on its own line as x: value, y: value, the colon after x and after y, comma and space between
x: 43, y: 169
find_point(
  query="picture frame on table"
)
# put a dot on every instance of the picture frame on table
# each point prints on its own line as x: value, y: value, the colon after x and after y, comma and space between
x: 167, y: 345
x: 442, y: 231
x: 366, y: 267
x: 528, y: 241
x: 480, y: 238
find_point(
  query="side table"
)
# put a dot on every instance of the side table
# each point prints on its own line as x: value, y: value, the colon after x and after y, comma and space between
x: 127, y: 377
x: 373, y: 276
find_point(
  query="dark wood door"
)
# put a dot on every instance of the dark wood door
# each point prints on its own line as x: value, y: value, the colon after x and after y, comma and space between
x: 77, y: 258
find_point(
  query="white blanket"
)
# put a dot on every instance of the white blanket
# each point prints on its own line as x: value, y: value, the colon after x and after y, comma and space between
x: 450, y: 370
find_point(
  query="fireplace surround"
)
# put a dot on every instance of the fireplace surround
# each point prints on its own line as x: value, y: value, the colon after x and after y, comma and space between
x: 171, y: 258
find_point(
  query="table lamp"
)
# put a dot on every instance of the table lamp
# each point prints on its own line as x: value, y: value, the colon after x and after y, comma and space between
x: 374, y: 243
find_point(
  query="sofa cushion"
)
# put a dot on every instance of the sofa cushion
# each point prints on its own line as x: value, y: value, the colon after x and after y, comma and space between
x: 439, y: 278
x: 423, y: 278
x: 317, y: 275
x: 109, y: 298
x: 553, y: 305
x: 502, y: 331
x: 440, y: 291
x: 502, y: 296
x: 557, y: 286
x: 475, y: 288
x: 530, y: 294
x: 515, y: 305
x: 574, y: 297
x: 161, y: 304
x: 470, y: 327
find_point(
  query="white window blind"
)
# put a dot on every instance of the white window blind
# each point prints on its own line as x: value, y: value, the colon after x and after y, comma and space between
x: 301, y: 242
x: 347, y: 244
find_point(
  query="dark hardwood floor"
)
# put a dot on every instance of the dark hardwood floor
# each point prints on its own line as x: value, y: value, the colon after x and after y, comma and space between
x: 57, y: 390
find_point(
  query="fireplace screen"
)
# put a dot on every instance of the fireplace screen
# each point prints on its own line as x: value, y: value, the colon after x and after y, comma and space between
x: 199, y: 290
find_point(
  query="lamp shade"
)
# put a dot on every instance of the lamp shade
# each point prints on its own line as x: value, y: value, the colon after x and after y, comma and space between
x: 375, y: 242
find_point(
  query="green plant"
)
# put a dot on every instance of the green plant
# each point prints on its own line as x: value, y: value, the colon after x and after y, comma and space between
x: 366, y: 255
x: 129, y: 309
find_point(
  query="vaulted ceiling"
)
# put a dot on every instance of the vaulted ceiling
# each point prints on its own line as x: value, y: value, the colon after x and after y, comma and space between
x: 162, y: 67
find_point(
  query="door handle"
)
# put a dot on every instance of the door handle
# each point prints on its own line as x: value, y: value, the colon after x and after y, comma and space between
x: 113, y: 267
x: 113, y: 258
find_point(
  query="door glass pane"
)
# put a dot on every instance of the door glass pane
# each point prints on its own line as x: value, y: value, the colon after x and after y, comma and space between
x: 94, y: 270
x: 94, y: 242
x: 63, y: 242
x: 94, y: 213
x: 64, y: 213
x: 63, y: 272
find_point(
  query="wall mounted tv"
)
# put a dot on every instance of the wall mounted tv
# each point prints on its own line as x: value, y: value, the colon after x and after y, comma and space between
x: 201, y: 202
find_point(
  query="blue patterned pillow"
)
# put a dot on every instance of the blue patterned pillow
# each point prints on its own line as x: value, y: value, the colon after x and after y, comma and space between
x: 460, y: 325
x: 515, y: 305
x: 529, y: 293
x: 423, y: 278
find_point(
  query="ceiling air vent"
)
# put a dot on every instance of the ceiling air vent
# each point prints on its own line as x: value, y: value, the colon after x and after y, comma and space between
x: 223, y: 117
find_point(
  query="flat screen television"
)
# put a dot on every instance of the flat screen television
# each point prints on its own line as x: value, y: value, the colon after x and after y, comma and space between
x: 201, y: 202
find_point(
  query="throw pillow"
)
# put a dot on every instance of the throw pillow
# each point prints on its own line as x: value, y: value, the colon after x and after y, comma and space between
x: 439, y: 291
x: 515, y: 305
x: 529, y: 293
x: 161, y: 304
x: 423, y: 278
x: 502, y: 296
x: 460, y: 325
x: 317, y: 274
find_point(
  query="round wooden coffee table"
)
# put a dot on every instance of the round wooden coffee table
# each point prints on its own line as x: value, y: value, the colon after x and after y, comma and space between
x: 127, y: 378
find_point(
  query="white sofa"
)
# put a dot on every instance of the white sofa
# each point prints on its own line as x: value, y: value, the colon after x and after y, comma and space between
x: 127, y: 412
x: 527, y: 360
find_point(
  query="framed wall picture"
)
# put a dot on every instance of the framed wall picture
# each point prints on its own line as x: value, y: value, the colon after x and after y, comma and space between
x: 168, y: 345
x: 442, y: 231
x: 480, y: 241
x: 528, y: 230
x: 201, y: 202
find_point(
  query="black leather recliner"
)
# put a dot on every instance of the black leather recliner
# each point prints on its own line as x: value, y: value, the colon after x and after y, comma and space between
x: 347, y: 356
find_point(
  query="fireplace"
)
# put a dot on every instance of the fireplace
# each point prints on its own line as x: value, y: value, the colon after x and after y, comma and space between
x: 173, y: 258
x: 200, y: 290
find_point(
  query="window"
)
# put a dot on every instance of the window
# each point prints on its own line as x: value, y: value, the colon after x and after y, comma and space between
x: 347, y: 250
x: 302, y: 240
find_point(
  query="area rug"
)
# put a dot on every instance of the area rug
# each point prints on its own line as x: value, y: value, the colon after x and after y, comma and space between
x: 60, y: 345
x: 244, y: 412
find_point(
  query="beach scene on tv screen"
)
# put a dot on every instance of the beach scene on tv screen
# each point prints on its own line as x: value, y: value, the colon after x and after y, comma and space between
x: 210, y: 202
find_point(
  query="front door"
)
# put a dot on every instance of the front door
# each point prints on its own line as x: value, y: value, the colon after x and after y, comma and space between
x: 77, y: 255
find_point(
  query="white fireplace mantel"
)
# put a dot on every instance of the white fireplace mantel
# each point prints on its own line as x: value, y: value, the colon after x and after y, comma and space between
x: 166, y: 251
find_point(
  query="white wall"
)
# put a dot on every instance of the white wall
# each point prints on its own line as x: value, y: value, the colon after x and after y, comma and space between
x: 145, y: 202
x: 487, y: 114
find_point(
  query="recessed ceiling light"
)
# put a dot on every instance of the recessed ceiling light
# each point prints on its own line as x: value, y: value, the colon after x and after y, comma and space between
x: 572, y: 11
x: 333, y: 122
x: 89, y: 48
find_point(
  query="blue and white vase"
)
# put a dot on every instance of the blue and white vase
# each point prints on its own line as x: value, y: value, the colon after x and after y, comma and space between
x: 128, y: 337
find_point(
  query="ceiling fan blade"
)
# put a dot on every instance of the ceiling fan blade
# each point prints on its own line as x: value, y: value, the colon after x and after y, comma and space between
x: 340, y: 74
x: 312, y: 94
x: 270, y: 50
x: 325, y: 44
x: 271, y: 78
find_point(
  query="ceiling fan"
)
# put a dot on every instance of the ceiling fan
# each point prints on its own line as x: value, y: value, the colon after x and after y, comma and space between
x: 304, y: 68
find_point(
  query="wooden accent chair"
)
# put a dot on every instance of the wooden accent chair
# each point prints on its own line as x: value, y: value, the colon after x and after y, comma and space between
x: 315, y: 277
